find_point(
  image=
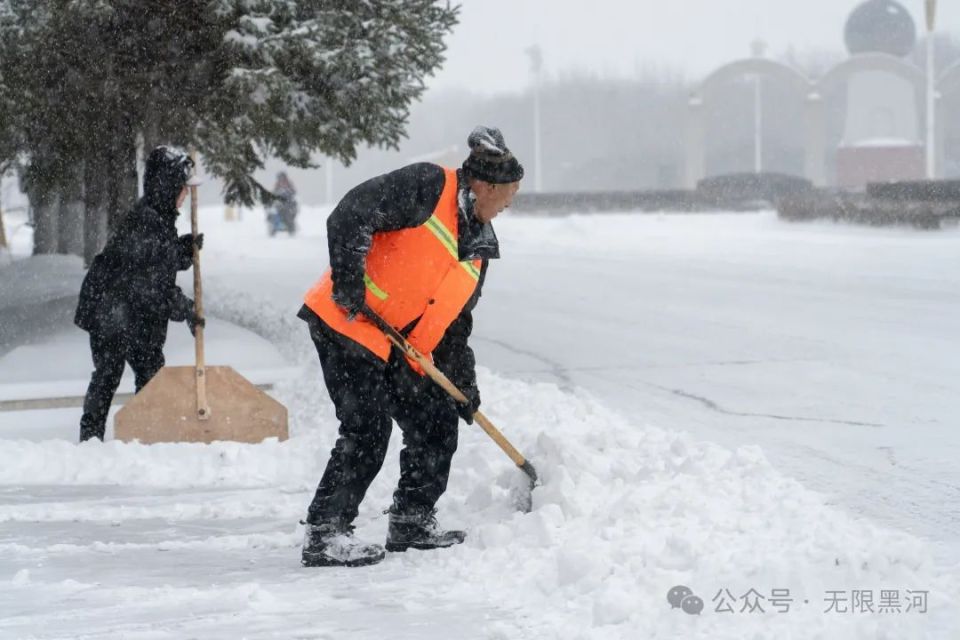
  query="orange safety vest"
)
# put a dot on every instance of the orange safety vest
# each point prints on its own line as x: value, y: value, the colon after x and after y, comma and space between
x: 410, y: 273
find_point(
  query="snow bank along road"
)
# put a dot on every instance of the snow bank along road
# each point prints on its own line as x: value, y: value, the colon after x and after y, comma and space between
x: 828, y: 346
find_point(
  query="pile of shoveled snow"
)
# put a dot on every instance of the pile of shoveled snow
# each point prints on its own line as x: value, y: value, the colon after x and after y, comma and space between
x: 624, y: 513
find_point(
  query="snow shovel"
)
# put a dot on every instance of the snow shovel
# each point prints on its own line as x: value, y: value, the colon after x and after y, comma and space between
x: 200, y: 403
x: 525, y: 502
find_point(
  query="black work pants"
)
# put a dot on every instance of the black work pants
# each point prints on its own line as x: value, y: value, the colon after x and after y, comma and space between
x: 368, y: 394
x: 110, y: 352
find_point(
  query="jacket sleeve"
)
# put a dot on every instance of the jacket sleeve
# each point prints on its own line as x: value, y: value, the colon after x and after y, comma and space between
x: 150, y: 276
x: 398, y: 200
x: 453, y: 356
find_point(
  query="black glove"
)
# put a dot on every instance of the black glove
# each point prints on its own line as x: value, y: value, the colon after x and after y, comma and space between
x: 194, y: 321
x: 187, y: 242
x: 186, y: 250
x: 181, y: 307
x: 351, y: 299
x: 466, y: 411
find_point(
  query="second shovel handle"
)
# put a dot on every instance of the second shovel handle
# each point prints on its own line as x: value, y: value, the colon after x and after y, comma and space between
x: 203, y: 405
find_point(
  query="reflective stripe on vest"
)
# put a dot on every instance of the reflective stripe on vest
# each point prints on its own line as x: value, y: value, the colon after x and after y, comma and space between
x: 446, y: 239
x: 411, y: 274
x: 373, y: 288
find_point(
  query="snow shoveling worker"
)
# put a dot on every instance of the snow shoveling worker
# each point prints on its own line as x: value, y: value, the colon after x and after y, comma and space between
x: 130, y: 292
x: 413, y: 245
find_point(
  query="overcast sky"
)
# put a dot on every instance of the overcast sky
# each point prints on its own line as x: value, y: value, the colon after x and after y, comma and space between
x: 486, y: 50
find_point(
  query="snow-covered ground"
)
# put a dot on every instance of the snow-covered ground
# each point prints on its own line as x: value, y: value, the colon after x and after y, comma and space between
x: 833, y: 348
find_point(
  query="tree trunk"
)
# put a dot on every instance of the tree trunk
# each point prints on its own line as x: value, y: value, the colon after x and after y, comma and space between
x: 97, y: 206
x: 70, y: 230
x: 151, y: 132
x: 3, y: 231
x: 46, y: 218
x: 124, y: 188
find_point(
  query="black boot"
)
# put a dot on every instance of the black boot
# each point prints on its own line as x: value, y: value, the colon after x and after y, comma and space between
x: 331, y: 544
x: 90, y: 429
x: 419, y: 530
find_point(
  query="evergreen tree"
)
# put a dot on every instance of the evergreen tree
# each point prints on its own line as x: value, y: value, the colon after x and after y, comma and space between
x: 238, y: 79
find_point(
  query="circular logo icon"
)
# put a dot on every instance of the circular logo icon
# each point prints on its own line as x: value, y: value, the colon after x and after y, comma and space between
x: 692, y: 605
x: 676, y: 595
x: 681, y: 597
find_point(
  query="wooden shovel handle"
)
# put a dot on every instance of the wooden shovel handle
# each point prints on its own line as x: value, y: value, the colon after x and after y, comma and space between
x: 437, y: 376
x: 203, y: 406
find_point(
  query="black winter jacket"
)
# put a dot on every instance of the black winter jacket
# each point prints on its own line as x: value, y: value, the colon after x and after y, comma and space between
x: 403, y: 199
x: 131, y: 287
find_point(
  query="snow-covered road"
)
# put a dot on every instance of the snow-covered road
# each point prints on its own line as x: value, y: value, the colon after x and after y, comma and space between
x: 836, y: 349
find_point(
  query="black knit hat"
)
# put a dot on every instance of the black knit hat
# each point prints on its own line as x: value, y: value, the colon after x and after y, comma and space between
x: 490, y: 160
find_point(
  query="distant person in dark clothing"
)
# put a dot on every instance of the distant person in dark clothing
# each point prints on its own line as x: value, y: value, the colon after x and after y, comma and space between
x: 285, y: 208
x: 130, y: 292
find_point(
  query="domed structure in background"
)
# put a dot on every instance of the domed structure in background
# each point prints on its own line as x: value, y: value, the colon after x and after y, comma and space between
x: 880, y: 26
x: 878, y: 88
x: 859, y: 122
x: 881, y: 134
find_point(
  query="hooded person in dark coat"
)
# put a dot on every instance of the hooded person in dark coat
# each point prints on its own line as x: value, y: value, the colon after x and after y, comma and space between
x: 130, y: 292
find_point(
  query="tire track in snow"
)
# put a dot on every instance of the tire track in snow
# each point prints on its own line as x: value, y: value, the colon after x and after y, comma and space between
x: 555, y: 368
x: 230, y: 542
x: 85, y: 511
x: 710, y: 404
